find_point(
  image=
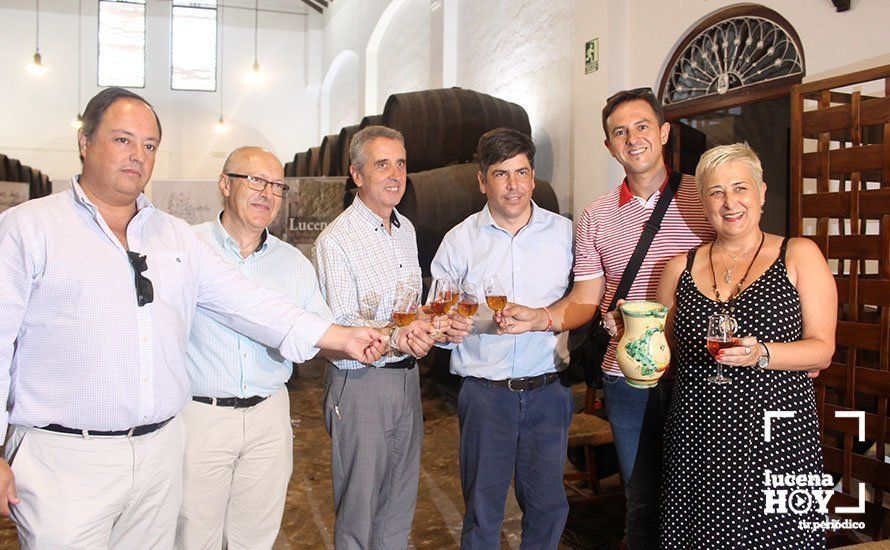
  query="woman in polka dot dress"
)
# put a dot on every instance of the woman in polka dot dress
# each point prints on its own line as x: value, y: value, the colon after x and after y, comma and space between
x: 784, y: 299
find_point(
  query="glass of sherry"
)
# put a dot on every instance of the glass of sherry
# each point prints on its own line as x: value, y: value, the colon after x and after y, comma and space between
x: 450, y: 293
x: 468, y: 304
x: 495, y: 295
x: 721, y: 328
x: 404, y: 306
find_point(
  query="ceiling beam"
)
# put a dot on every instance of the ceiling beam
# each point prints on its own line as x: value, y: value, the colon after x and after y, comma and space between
x: 313, y: 5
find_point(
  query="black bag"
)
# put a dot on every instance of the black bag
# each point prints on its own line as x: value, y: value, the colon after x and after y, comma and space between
x: 588, y: 355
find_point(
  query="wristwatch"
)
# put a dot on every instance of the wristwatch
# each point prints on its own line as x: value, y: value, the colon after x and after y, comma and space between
x: 763, y: 362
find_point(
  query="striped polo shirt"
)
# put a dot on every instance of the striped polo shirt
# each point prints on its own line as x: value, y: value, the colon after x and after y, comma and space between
x: 610, y: 228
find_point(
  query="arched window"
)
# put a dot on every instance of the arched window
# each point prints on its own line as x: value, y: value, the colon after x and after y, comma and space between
x: 745, y: 50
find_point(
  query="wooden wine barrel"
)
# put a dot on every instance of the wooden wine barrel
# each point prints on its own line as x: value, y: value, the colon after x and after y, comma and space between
x: 14, y: 169
x: 330, y: 156
x: 47, y: 185
x: 437, y: 200
x: 3, y: 167
x: 443, y: 127
x: 28, y: 177
x: 343, y: 141
x: 289, y: 169
x: 301, y: 165
x: 371, y: 120
x: 313, y: 161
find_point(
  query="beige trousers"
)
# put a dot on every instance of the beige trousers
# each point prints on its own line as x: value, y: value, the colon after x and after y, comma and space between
x: 96, y: 492
x: 237, y: 466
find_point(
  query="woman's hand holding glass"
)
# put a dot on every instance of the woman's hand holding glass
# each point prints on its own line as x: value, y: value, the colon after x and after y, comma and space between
x: 744, y: 353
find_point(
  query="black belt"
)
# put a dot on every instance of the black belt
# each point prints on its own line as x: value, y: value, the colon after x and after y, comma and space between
x: 132, y: 432
x: 406, y: 363
x: 526, y: 384
x: 236, y: 402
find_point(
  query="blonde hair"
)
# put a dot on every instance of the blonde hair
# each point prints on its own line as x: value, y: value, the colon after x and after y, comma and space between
x: 721, y: 155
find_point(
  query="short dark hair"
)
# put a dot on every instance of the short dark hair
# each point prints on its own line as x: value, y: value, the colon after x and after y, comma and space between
x: 95, y: 110
x: 632, y: 95
x: 502, y: 144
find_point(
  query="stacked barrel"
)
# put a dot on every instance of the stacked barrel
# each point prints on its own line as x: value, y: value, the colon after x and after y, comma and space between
x: 11, y: 169
x: 441, y: 128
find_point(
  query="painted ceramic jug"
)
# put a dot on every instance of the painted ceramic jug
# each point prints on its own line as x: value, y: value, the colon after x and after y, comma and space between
x: 643, y: 353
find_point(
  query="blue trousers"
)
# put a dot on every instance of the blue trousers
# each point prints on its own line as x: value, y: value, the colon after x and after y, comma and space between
x: 637, y: 417
x: 508, y: 435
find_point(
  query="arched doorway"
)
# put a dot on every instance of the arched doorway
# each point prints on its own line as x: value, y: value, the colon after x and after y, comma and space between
x: 729, y: 80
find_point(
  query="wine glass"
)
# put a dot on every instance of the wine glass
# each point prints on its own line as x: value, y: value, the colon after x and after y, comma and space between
x: 469, y: 304
x: 404, y: 306
x: 495, y: 295
x: 450, y: 293
x: 721, y: 328
x: 438, y: 296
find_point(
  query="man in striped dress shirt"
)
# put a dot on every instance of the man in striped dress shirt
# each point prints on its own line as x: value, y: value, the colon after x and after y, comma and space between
x: 607, y: 234
x: 239, y: 440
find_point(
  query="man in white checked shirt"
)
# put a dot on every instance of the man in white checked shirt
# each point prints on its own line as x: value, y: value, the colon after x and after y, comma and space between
x: 373, y: 414
x: 239, y: 444
x: 98, y: 290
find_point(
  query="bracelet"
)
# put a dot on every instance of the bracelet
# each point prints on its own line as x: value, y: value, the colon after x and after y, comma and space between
x: 549, y: 319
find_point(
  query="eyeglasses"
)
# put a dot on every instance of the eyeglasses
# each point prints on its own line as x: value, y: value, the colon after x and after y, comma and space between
x: 145, y: 292
x: 257, y: 183
x: 635, y: 92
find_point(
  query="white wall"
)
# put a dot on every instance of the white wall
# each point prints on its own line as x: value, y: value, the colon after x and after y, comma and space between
x: 398, y: 56
x: 348, y: 25
x: 637, y: 38
x: 520, y: 50
x: 36, y: 113
x: 341, y: 93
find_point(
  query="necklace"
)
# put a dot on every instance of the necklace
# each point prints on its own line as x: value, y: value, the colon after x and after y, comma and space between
x: 729, y: 305
x: 727, y: 271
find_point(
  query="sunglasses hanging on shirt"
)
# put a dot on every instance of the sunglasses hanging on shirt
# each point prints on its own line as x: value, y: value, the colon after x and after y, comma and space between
x: 145, y: 292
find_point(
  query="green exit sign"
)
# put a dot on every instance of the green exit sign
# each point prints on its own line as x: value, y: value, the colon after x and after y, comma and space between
x: 592, y: 56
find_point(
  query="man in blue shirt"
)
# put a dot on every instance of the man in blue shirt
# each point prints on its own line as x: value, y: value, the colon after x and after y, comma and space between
x: 514, y: 411
x: 239, y: 448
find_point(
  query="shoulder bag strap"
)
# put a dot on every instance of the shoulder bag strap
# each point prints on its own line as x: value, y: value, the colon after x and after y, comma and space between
x: 653, y: 224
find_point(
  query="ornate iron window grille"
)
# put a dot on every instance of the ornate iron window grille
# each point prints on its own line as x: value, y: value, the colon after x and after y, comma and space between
x: 732, y: 54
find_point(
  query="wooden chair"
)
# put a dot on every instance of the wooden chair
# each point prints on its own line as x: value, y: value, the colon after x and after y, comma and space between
x: 588, y: 431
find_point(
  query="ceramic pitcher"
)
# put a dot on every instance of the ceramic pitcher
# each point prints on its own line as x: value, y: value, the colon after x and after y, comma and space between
x: 643, y: 353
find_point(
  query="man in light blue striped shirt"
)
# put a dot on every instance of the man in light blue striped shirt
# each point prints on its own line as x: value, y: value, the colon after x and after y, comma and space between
x: 239, y: 449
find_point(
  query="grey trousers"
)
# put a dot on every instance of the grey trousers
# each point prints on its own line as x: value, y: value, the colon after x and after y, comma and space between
x: 375, y: 447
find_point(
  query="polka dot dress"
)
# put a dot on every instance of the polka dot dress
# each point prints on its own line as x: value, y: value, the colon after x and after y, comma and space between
x: 716, y: 455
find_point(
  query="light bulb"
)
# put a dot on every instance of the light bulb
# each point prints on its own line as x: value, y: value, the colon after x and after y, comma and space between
x: 36, y: 67
x: 221, y: 127
x: 255, y: 76
x: 77, y: 123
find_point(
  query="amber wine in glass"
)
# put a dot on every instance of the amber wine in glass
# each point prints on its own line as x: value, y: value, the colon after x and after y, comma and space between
x: 495, y: 295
